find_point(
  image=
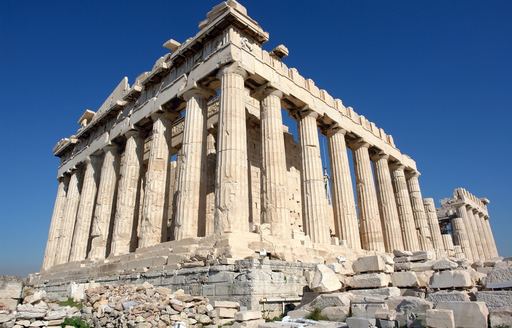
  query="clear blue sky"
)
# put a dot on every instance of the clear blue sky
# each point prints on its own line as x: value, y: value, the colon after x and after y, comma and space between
x: 437, y: 75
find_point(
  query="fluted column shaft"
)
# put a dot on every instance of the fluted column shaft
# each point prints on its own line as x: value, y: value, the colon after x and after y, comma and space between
x: 191, y: 179
x: 494, y: 248
x: 275, y: 210
x: 418, y: 211
x: 211, y: 159
x: 433, y: 222
x: 85, y: 211
x: 460, y: 237
x: 68, y: 220
x: 314, y: 200
x: 56, y: 222
x: 104, y: 209
x: 343, y: 201
x: 448, y: 243
x: 477, y: 234
x: 231, y: 183
x: 126, y: 214
x: 403, y: 202
x: 369, y: 218
x: 463, y: 213
x: 481, y: 234
x: 153, y: 226
x: 388, y: 210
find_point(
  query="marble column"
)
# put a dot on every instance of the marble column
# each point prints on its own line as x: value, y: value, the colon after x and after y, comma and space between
x: 313, y: 191
x: 481, y: 234
x: 448, y: 244
x: 232, y: 181
x: 85, y: 211
x: 274, y: 192
x: 463, y: 213
x: 418, y: 211
x: 403, y: 202
x: 369, y: 218
x: 172, y: 172
x: 460, y: 237
x: 104, y: 209
x: 68, y: 219
x: 487, y: 236
x: 191, y: 179
x: 433, y: 222
x: 477, y: 233
x: 494, y: 248
x: 343, y: 200
x: 126, y: 215
x: 153, y: 226
x: 388, y: 210
x: 211, y: 161
x: 57, y: 216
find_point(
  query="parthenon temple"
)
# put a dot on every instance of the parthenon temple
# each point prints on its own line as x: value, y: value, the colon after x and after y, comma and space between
x: 193, y: 162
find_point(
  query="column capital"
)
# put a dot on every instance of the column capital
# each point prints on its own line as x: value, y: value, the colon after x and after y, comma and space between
x: 111, y: 147
x: 132, y: 132
x: 266, y: 90
x: 195, y: 90
x: 358, y: 143
x: 306, y: 111
x: 63, y: 178
x: 397, y: 166
x: 379, y: 155
x: 233, y: 68
x: 413, y: 174
x: 334, y: 129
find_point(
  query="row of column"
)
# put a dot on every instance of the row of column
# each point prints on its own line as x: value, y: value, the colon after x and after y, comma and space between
x: 392, y: 213
x: 472, y: 231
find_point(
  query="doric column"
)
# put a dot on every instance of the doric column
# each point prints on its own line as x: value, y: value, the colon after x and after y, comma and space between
x: 274, y: 196
x: 231, y: 183
x: 172, y: 172
x: 313, y: 191
x: 468, y: 224
x: 460, y: 237
x: 57, y: 216
x: 433, y: 222
x: 191, y: 180
x: 129, y: 184
x: 477, y: 234
x: 403, y: 202
x: 418, y: 211
x: 369, y: 218
x: 68, y: 219
x: 153, y: 225
x: 494, y: 248
x: 105, y: 204
x: 448, y: 244
x: 85, y: 211
x: 343, y: 201
x: 481, y: 233
x: 388, y: 210
x: 211, y: 161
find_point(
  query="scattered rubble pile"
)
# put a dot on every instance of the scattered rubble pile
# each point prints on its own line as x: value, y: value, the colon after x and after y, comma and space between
x: 411, y: 290
x: 36, y: 311
x: 138, y: 306
x: 145, y: 306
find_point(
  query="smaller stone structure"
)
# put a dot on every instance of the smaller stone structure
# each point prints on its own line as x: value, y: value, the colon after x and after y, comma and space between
x: 466, y: 218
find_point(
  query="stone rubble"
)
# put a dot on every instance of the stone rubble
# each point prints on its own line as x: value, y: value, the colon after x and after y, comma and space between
x: 140, y: 306
x: 367, y: 292
x: 422, y: 291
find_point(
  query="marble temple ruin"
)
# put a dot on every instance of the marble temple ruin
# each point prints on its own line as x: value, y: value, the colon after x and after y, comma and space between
x: 192, y: 162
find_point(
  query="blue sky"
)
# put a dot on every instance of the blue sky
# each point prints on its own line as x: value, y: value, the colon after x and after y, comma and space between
x: 437, y: 75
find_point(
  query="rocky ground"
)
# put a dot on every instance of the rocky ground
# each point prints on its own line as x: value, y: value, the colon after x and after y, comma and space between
x: 411, y: 289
